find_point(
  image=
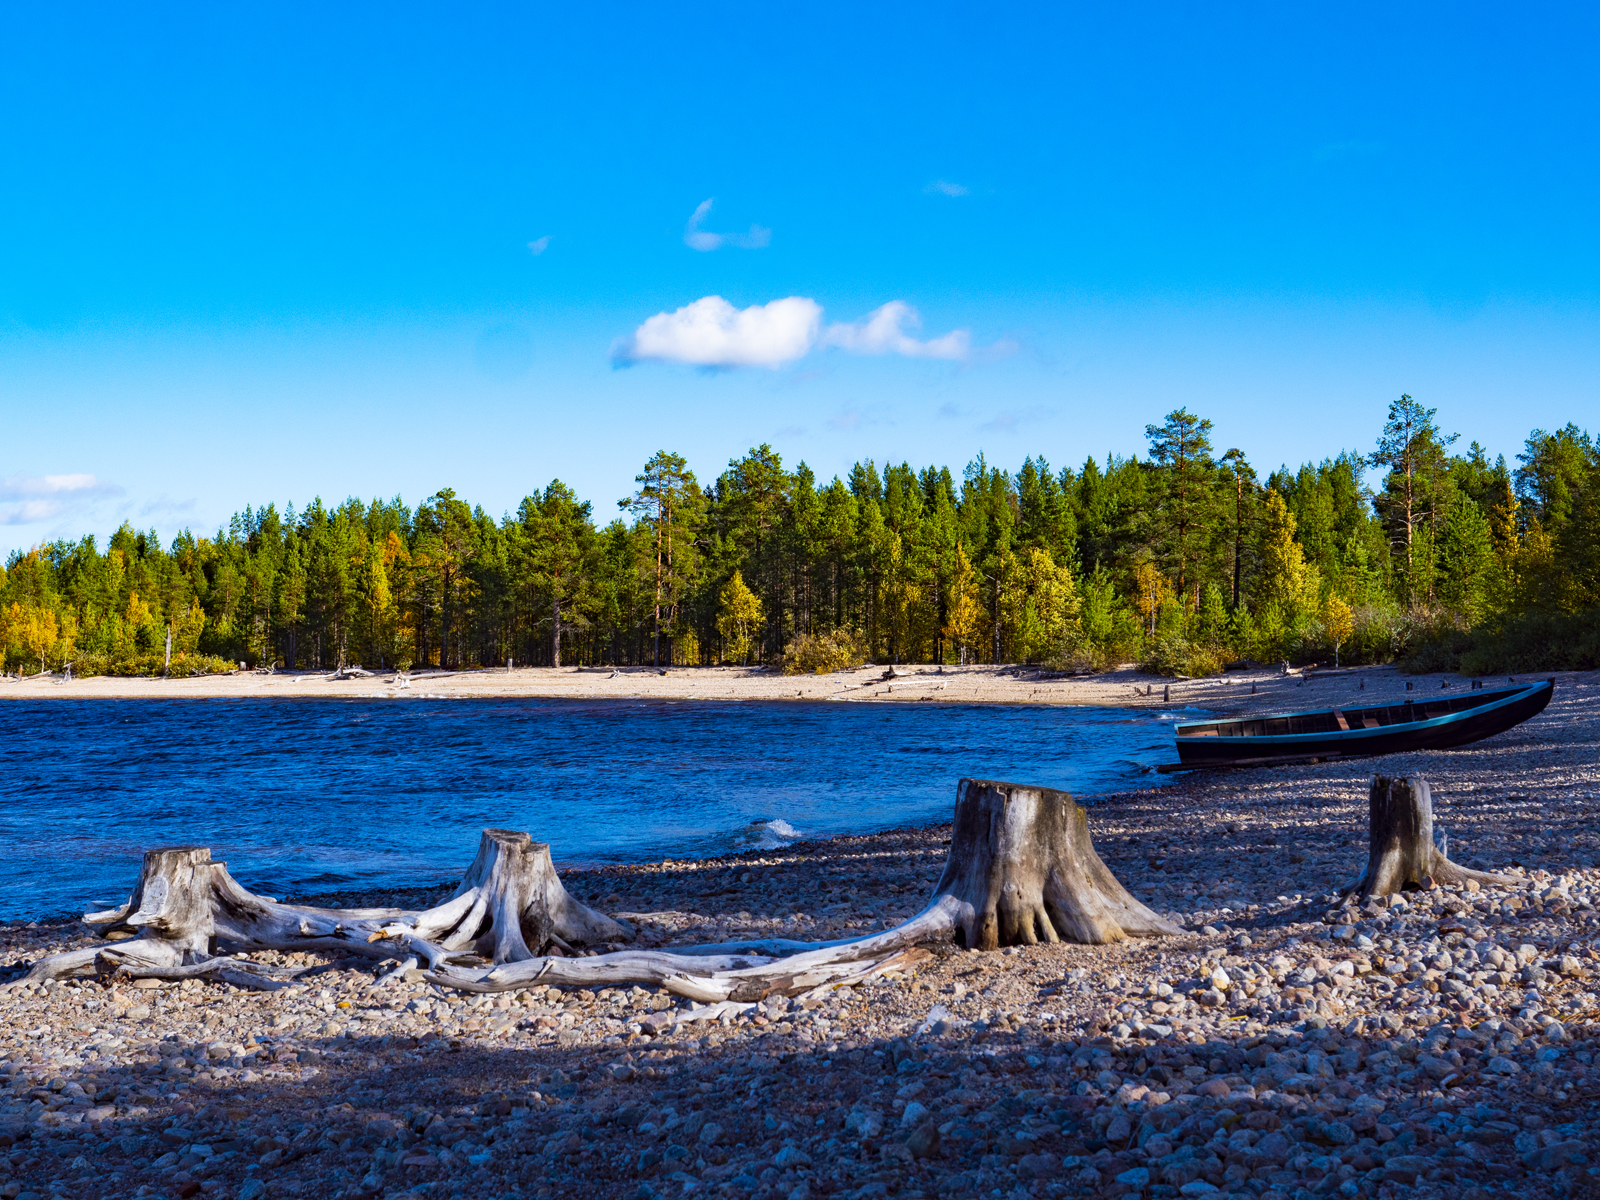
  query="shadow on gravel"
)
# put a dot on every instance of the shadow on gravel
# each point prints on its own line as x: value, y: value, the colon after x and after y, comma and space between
x: 957, y: 1115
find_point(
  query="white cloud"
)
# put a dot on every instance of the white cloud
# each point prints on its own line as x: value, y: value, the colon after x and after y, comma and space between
x: 699, y: 239
x: 45, y: 497
x: 712, y: 333
x: 539, y: 245
x: 943, y: 187
x: 884, y: 332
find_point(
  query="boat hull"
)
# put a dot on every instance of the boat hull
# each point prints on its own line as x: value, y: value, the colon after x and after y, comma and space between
x: 1497, y: 712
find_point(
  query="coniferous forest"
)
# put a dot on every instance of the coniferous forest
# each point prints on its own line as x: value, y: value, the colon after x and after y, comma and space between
x: 1182, y: 560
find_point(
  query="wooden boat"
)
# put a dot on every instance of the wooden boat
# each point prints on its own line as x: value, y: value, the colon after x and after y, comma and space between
x: 1433, y: 724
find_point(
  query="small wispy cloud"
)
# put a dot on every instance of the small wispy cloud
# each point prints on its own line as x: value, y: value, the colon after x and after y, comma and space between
x: 943, y: 187
x: 884, y: 332
x: 539, y: 245
x: 166, y: 506
x: 701, y: 239
x: 1010, y: 420
x: 27, y: 501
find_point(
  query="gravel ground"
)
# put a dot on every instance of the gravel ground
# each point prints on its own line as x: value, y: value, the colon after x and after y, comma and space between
x: 1284, y: 1047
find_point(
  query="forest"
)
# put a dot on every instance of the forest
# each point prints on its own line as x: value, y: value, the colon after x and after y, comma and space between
x: 1182, y: 561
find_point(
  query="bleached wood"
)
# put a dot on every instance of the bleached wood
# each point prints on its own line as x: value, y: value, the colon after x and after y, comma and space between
x: 1022, y: 868
x: 1401, y: 851
x: 192, y: 908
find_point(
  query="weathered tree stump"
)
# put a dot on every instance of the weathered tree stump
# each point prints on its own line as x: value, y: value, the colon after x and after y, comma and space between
x: 1401, y: 850
x: 1024, y: 869
x: 169, y: 911
x: 511, y: 906
x: 171, y: 902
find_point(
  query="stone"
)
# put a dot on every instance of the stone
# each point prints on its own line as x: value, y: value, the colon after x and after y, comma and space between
x: 924, y: 1141
x: 913, y: 1115
x: 1553, y: 1158
x: 1135, y: 1177
x: 710, y: 1133
x: 1120, y: 1129
x: 864, y: 1122
x: 791, y: 1156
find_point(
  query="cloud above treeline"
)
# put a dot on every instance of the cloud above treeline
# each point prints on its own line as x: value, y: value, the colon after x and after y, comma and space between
x: 45, y: 497
x: 713, y: 333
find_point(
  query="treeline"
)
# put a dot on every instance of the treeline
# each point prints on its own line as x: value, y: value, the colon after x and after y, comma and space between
x: 1182, y: 560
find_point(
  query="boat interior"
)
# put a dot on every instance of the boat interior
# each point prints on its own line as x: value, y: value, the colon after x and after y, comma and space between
x: 1343, y: 720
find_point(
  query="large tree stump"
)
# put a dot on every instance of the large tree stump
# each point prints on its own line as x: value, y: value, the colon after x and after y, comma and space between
x: 1024, y: 868
x: 169, y: 910
x: 511, y: 905
x: 171, y: 902
x: 1401, y: 850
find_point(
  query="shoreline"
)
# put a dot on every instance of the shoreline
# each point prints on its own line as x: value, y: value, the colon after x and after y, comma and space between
x: 1255, y: 690
x: 1443, y: 1045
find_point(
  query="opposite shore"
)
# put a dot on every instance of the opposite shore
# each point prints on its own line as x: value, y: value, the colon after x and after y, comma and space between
x: 1253, y: 690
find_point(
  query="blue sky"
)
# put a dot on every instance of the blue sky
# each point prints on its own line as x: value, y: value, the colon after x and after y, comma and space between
x: 261, y: 254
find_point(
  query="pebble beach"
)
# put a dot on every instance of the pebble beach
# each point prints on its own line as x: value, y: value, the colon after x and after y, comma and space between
x: 1286, y: 1045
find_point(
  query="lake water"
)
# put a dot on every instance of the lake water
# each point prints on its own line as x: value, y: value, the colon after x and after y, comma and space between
x: 313, y: 795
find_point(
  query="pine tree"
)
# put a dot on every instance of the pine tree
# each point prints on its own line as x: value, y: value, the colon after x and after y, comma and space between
x: 561, y: 533
x: 1180, y: 448
x: 668, y: 500
x: 1413, y: 451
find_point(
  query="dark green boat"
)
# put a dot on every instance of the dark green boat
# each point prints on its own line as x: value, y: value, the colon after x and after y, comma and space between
x: 1433, y: 724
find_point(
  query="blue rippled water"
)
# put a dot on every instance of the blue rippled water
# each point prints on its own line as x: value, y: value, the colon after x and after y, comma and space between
x: 309, y: 795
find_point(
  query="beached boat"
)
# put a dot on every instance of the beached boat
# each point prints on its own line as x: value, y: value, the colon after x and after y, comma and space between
x: 1436, y: 723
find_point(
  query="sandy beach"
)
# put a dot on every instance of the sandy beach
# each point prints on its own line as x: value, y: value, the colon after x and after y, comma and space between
x: 1284, y: 1045
x: 1256, y: 689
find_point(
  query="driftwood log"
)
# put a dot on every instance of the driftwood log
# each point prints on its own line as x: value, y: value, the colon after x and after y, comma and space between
x: 1022, y: 869
x: 1401, y: 850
